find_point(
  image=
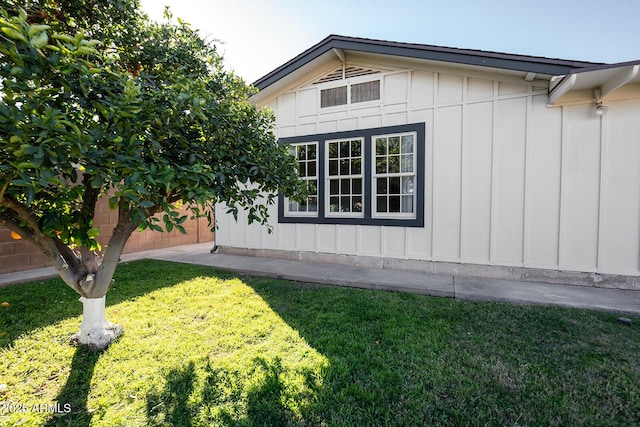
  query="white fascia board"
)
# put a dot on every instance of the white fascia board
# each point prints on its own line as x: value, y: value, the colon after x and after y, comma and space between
x: 620, y: 79
x: 562, y: 88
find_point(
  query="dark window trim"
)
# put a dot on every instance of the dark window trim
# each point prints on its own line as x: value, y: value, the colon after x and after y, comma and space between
x: 367, y: 134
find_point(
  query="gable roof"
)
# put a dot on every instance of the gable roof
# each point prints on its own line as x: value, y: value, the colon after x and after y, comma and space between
x: 505, y: 61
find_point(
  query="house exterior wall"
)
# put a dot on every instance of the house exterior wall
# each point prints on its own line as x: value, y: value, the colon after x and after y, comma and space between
x: 509, y: 181
x: 20, y: 255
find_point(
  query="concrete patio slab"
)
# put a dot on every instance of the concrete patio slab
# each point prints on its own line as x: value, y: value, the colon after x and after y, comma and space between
x: 479, y: 289
x: 443, y: 285
x: 330, y: 274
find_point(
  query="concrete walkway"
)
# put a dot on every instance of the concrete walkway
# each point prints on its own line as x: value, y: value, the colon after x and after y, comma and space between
x: 467, y: 288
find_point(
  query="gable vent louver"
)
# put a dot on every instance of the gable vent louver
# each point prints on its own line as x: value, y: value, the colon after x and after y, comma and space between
x: 348, y: 73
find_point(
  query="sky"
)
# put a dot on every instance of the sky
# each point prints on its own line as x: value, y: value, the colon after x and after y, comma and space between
x: 257, y: 36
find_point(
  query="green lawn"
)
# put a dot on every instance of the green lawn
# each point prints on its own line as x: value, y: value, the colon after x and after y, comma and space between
x: 204, y: 347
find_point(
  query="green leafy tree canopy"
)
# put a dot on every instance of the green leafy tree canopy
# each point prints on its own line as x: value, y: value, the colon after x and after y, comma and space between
x: 146, y: 115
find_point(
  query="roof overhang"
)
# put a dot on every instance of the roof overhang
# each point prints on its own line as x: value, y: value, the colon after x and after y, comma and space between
x: 598, y: 81
x: 335, y: 47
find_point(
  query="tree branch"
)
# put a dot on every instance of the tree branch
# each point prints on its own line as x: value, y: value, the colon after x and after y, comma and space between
x: 4, y: 188
x: 33, y: 234
x: 62, y: 258
x: 24, y: 213
x: 88, y: 257
x: 117, y: 241
x: 13, y: 224
x: 89, y: 198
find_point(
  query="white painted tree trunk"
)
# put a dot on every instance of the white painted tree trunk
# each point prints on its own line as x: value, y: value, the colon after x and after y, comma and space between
x: 95, y: 331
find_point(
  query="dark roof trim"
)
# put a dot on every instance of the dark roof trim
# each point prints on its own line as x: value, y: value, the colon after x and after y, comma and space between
x: 481, y: 58
x: 596, y: 67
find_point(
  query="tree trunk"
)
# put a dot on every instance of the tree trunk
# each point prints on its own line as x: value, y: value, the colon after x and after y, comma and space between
x: 95, y: 331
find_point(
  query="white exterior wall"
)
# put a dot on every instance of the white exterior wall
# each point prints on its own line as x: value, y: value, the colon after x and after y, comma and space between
x: 509, y: 180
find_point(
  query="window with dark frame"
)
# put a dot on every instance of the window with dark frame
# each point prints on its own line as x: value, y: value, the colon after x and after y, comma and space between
x: 307, y: 156
x: 394, y: 175
x: 344, y: 178
x: 371, y: 177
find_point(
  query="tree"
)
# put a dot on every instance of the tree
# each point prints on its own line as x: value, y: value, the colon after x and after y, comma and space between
x: 154, y: 125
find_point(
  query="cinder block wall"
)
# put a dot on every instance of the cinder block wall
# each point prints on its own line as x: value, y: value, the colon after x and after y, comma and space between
x: 19, y: 255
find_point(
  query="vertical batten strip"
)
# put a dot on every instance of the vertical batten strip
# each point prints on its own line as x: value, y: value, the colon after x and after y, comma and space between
x: 601, y: 195
x: 434, y: 83
x: 462, y: 216
x: 407, y: 110
x: 316, y: 248
x: 527, y: 179
x: 492, y: 227
x: 434, y: 169
x: 564, y: 134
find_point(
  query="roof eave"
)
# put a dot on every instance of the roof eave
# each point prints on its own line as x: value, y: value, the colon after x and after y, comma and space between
x: 494, y: 60
x: 606, y: 79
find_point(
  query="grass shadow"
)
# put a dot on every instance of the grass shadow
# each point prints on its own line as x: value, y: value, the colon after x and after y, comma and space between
x: 71, y: 409
x: 172, y: 406
x: 42, y: 303
x: 284, y: 353
x: 402, y: 359
x: 265, y: 401
x: 218, y: 400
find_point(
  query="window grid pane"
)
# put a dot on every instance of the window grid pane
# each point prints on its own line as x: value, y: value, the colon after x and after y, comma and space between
x: 394, y: 175
x: 344, y: 178
x: 308, y: 171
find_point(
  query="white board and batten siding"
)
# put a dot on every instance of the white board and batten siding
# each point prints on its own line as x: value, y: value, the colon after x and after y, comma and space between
x: 509, y: 181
